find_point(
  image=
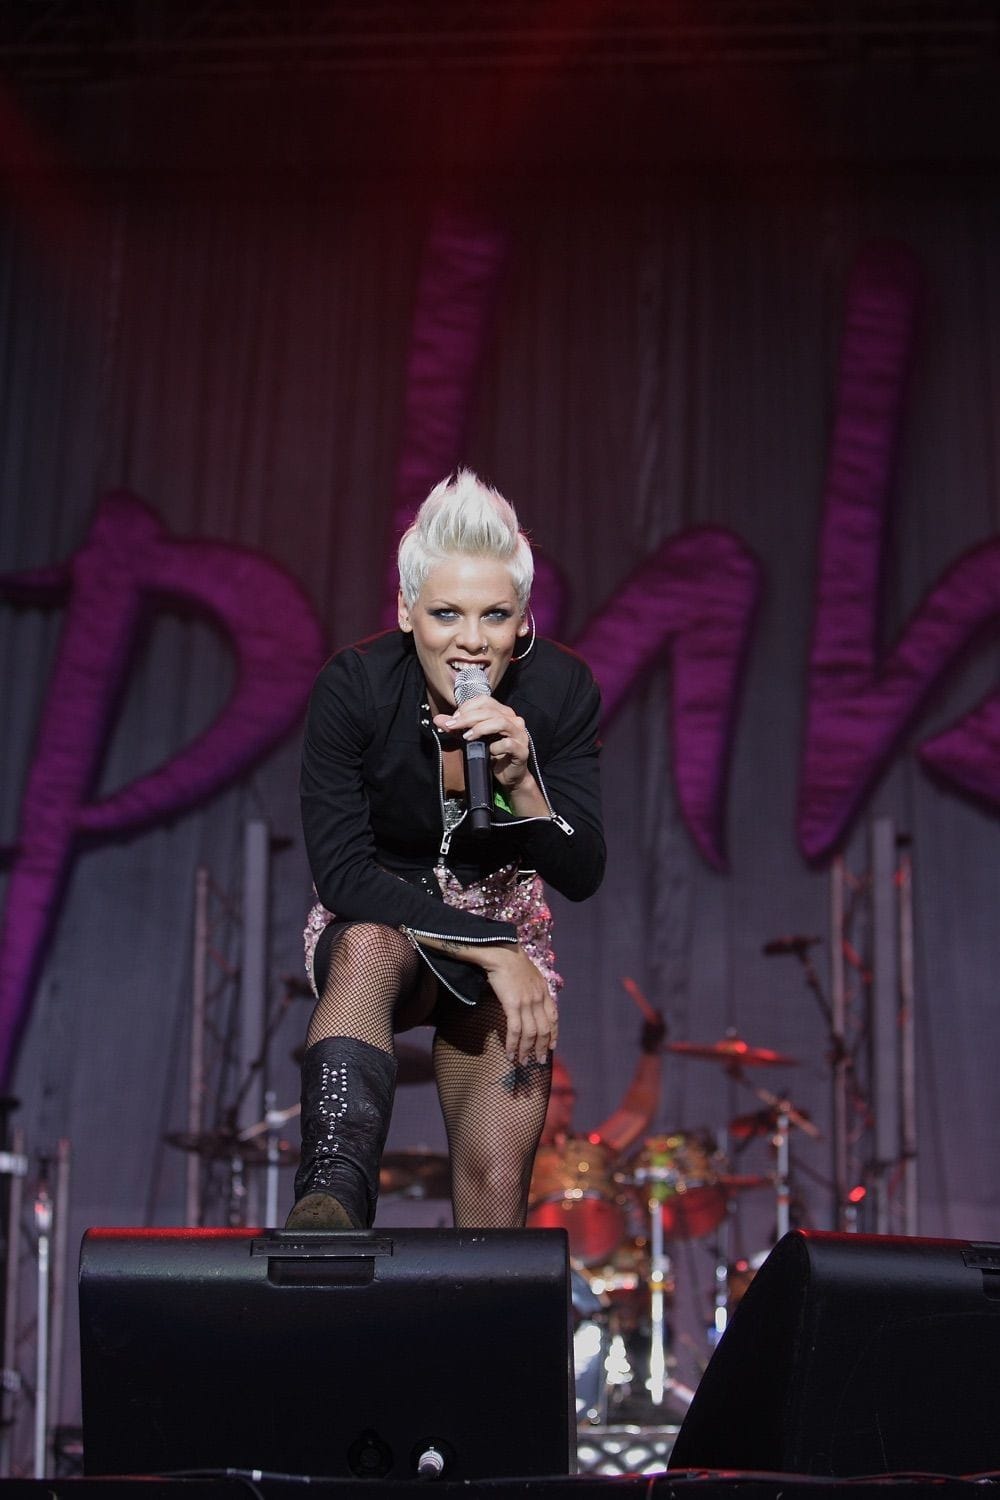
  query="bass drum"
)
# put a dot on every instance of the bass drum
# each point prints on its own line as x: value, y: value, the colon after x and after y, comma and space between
x: 623, y: 1284
x: 681, y: 1173
x: 572, y: 1189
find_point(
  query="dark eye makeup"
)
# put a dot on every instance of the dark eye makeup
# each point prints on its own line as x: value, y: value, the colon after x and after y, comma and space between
x: 500, y: 613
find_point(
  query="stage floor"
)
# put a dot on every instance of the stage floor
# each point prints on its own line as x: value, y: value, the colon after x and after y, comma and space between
x: 681, y: 1485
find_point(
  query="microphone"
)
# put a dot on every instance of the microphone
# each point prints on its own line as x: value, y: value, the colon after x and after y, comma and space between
x: 472, y: 682
x: 799, y: 945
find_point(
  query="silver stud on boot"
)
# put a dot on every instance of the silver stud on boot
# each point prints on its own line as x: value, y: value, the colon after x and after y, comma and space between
x: 347, y: 1090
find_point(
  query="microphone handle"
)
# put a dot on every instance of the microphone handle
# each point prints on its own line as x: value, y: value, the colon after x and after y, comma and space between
x: 478, y: 790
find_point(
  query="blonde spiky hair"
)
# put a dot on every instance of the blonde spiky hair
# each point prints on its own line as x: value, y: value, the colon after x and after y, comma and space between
x: 464, y: 517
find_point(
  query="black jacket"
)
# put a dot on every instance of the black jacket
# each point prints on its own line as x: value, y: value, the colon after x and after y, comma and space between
x: 371, y: 789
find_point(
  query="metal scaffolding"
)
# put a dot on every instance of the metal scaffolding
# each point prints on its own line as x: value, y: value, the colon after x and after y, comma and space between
x: 36, y: 1233
x: 873, y: 1056
x: 231, y: 1123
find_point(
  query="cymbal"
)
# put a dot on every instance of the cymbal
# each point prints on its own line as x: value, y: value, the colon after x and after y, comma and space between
x: 757, y: 1122
x: 419, y: 1174
x: 225, y: 1145
x: 731, y: 1049
x: 765, y: 1122
x: 413, y: 1064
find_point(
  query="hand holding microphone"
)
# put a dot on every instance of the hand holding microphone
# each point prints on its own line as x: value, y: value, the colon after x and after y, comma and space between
x: 499, y: 748
x: 470, y: 683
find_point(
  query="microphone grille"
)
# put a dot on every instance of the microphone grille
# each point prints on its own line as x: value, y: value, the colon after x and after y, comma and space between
x: 471, y: 682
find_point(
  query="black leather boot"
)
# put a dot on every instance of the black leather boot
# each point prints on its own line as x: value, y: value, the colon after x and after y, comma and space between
x: 347, y: 1090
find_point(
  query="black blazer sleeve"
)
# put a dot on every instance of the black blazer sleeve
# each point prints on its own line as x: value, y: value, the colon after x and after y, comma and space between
x: 563, y: 722
x: 336, y: 821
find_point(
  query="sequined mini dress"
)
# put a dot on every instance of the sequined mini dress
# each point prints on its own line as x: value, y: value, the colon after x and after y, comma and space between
x: 506, y: 895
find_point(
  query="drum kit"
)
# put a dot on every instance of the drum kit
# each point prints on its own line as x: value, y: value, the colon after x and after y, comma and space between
x: 620, y: 1215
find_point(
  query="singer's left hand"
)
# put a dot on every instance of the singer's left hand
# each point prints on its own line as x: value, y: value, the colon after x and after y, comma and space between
x: 506, y: 735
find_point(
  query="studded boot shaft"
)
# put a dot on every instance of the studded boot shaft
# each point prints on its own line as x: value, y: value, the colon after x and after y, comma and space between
x: 347, y: 1092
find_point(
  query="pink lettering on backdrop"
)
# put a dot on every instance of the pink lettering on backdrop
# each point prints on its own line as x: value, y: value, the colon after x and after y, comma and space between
x: 858, y: 709
x: 968, y: 754
x: 697, y: 596
x: 127, y: 560
x: 456, y: 297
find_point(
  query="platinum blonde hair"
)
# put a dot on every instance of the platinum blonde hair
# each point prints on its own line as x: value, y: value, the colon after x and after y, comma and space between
x: 463, y: 517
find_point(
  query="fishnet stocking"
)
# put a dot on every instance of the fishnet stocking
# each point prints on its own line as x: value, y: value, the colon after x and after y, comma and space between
x: 493, y: 1111
x: 373, y: 973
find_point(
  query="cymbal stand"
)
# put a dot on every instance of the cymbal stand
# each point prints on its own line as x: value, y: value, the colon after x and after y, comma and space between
x: 660, y: 1383
x: 270, y: 1126
x: 238, y: 1202
x: 785, y: 1115
x: 236, y: 1208
x: 43, y: 1229
x: 782, y: 1113
x: 659, y: 1266
x: 723, y: 1255
x: 720, y: 1294
x: 272, y: 1119
x: 782, y: 1170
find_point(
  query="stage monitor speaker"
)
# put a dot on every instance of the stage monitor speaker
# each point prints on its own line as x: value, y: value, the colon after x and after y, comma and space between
x: 382, y: 1355
x: 852, y: 1355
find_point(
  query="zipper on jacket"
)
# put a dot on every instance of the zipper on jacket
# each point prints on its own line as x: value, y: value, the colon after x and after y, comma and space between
x: 537, y: 773
x: 412, y: 934
x: 446, y: 832
x: 553, y: 817
x: 449, y: 833
x: 450, y: 937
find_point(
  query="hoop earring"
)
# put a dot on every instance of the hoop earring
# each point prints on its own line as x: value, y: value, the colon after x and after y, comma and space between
x: 528, y: 648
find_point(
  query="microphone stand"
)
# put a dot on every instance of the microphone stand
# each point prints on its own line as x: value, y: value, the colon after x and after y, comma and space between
x: 784, y: 1115
x: 270, y: 1127
x: 840, y: 1063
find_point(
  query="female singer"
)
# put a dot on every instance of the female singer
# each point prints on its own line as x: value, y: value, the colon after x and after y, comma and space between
x: 422, y: 919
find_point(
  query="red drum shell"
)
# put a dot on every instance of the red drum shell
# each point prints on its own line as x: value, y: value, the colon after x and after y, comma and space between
x: 572, y: 1189
x: 679, y: 1172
